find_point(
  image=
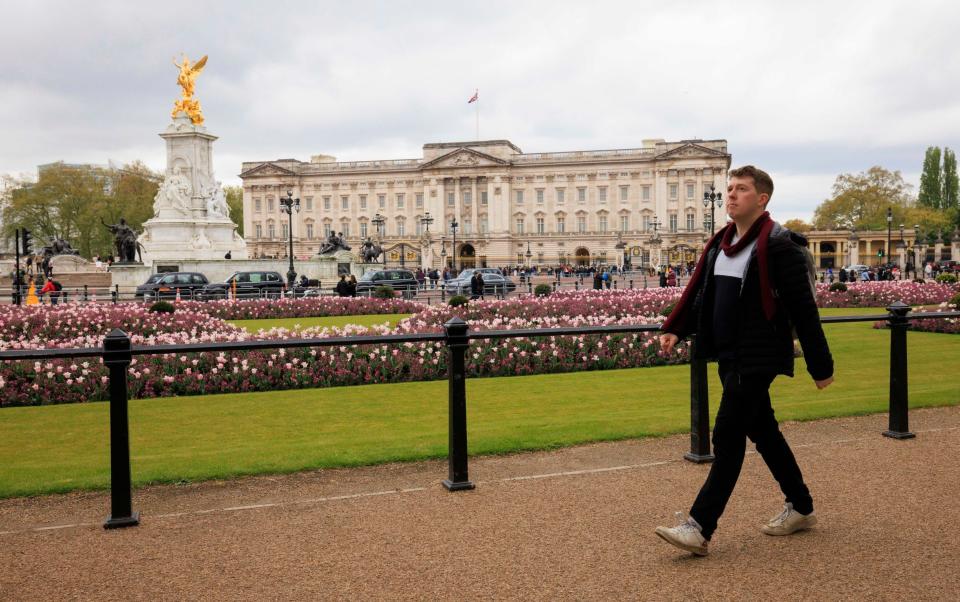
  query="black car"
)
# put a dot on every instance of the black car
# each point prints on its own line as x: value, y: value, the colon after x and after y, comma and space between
x: 399, y: 280
x: 246, y: 285
x: 166, y: 286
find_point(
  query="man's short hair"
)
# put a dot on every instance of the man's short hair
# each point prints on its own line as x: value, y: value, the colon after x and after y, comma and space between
x: 761, y: 179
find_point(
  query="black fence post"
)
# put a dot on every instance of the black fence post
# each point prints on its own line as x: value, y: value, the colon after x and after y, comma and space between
x: 117, y: 357
x: 86, y: 293
x: 457, y: 343
x: 899, y: 406
x: 114, y: 295
x: 699, y: 410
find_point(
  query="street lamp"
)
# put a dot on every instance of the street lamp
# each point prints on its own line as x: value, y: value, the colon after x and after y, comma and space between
x: 426, y: 220
x: 453, y: 226
x: 443, y: 252
x: 288, y: 205
x: 713, y: 200
x: 918, y: 246
x: 378, y: 221
x: 889, y: 223
x: 528, y: 254
x: 655, y: 239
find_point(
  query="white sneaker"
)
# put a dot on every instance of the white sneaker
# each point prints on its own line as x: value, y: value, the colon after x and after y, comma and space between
x: 685, y: 536
x: 789, y: 521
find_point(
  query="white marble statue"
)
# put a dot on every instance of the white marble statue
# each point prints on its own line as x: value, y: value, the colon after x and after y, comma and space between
x: 174, y: 193
x: 216, y: 202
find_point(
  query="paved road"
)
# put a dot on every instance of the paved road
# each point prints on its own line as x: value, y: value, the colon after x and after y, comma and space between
x: 572, y: 524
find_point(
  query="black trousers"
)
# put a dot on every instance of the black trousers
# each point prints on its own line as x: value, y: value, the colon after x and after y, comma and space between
x: 745, y: 411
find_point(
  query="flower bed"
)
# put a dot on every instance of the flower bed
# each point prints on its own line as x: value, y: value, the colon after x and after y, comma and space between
x: 65, y: 381
x: 884, y: 294
x: 311, y: 307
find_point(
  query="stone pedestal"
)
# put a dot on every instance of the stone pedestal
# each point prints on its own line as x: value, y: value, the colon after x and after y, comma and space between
x: 191, y: 220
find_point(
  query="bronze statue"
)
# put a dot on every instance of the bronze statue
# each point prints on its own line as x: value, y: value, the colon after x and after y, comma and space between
x: 370, y: 251
x: 334, y: 243
x: 125, y: 241
x: 187, y: 79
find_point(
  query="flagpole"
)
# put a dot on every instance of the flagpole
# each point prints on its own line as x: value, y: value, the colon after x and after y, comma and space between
x: 478, y: 118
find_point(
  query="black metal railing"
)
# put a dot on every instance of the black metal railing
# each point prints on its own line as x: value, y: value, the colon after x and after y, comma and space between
x: 118, y: 352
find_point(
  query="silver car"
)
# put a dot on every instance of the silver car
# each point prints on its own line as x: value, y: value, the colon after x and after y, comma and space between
x: 493, y: 282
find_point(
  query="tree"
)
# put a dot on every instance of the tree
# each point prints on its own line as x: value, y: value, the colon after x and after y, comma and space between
x: 69, y: 202
x: 235, y: 202
x: 797, y: 225
x: 930, y: 185
x: 949, y: 184
x: 861, y: 200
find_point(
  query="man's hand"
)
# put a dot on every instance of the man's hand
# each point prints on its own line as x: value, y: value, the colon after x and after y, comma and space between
x: 667, y: 341
x: 823, y: 384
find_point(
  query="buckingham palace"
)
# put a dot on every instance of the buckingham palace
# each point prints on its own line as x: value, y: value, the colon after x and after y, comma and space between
x: 487, y: 203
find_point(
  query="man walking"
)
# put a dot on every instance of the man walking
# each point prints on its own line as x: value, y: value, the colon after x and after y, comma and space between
x: 750, y: 289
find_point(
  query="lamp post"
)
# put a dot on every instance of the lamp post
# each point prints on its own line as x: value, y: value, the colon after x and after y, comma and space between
x: 918, y: 248
x: 288, y: 205
x: 378, y: 221
x: 528, y: 254
x: 443, y: 252
x: 889, y: 223
x: 426, y: 220
x: 713, y: 200
x: 453, y: 227
x: 655, y: 239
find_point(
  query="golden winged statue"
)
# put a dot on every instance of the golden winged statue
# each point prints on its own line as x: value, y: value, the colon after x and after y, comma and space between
x: 186, y: 79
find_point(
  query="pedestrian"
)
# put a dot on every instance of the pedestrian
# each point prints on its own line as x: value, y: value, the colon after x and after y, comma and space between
x: 671, y: 277
x: 597, y: 281
x: 751, y: 289
x: 830, y: 275
x: 343, y: 287
x: 53, y: 287
x: 352, y: 286
x: 843, y: 275
x: 421, y: 278
x: 476, y: 286
x: 663, y: 278
x: 605, y: 276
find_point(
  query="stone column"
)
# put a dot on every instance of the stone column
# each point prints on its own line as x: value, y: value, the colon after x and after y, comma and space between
x: 475, y: 200
x: 854, y: 246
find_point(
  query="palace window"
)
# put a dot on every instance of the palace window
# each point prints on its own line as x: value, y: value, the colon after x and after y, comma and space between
x: 602, y: 256
x: 646, y: 193
x: 602, y: 194
x: 382, y: 201
x: 581, y: 195
x: 484, y: 228
x: 419, y: 200
x: 308, y: 203
x: 519, y: 225
x: 271, y: 230
x: 269, y: 203
x: 624, y: 193
x: 345, y: 203
x: 602, y: 223
x: 310, y: 231
x: 673, y: 222
x: 259, y: 230
x: 483, y: 197
x: 561, y: 195
x: 400, y: 200
x: 467, y: 197
x: 624, y: 223
x: 326, y: 203
x: 540, y: 226
x: 467, y: 227
x: 401, y: 228
x: 326, y: 230
x: 363, y: 229
x: 691, y: 218
x: 257, y: 205
x: 451, y: 199
x: 690, y: 188
x: 540, y: 257
x: 561, y: 225
x: 539, y: 196
x: 519, y: 196
x: 283, y: 230
x: 673, y: 192
x: 581, y: 224
x: 646, y: 223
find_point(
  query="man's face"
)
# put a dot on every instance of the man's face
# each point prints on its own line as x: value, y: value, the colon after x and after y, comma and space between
x: 743, y: 200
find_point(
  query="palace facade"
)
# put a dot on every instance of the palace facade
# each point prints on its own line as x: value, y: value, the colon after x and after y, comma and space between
x: 641, y: 206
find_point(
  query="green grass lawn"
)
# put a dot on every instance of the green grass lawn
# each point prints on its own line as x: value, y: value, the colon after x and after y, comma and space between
x: 253, y: 326
x: 59, y: 448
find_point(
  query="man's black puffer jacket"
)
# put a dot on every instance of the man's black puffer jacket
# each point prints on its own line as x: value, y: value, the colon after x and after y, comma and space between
x: 766, y: 346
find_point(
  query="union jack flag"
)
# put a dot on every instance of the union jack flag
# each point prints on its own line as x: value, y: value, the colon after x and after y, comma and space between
x: 475, y: 97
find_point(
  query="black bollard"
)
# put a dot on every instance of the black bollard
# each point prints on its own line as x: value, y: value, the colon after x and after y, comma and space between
x: 899, y: 402
x: 457, y: 344
x: 117, y: 357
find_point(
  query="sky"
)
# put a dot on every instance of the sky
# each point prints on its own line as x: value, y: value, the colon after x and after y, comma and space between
x: 805, y: 90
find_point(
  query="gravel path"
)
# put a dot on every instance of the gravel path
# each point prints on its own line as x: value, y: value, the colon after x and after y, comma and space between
x: 571, y: 524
